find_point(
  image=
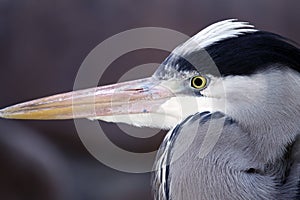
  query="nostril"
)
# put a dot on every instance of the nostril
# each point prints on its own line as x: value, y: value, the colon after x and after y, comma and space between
x: 135, y: 89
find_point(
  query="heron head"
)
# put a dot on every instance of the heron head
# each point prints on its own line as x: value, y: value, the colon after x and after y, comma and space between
x: 229, y: 67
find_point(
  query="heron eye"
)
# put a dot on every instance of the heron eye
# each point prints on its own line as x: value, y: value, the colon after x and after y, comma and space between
x: 198, y: 82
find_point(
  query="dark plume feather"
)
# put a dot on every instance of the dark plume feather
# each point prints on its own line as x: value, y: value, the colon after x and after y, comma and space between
x: 244, y: 54
x: 252, y: 52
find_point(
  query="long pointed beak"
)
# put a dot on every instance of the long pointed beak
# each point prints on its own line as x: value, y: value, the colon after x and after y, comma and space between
x: 140, y: 96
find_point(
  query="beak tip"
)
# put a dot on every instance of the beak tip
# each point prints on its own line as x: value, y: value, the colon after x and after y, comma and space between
x: 2, y: 115
x: 5, y: 113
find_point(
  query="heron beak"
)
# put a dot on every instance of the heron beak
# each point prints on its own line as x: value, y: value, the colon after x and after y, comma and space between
x: 133, y: 97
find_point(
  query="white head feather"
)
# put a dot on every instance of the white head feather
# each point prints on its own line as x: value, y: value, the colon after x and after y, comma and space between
x: 214, y: 33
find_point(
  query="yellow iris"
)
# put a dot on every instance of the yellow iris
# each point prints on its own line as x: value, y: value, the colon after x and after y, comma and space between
x: 198, y: 82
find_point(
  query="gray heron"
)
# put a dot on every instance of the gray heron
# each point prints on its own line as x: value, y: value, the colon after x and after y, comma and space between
x: 254, y: 94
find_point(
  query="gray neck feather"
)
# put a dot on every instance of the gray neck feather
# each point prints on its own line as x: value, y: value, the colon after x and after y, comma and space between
x: 269, y: 110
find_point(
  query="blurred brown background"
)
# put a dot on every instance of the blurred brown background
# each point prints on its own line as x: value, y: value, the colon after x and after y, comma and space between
x: 42, y: 45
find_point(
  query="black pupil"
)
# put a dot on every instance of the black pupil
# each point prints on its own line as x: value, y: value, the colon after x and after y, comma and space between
x: 198, y: 81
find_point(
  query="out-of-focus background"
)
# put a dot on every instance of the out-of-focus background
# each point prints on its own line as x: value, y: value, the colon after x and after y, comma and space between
x: 42, y: 45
